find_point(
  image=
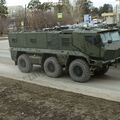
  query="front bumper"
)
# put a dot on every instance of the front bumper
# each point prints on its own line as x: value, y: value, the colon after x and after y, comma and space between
x: 101, y: 63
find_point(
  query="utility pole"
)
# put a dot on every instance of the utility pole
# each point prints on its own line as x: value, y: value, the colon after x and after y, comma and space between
x: 118, y: 12
x: 25, y: 18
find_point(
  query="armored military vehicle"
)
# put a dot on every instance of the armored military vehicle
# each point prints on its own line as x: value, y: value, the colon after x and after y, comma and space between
x: 80, y: 52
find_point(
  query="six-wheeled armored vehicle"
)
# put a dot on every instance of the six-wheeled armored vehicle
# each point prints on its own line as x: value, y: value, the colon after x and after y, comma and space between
x: 80, y: 52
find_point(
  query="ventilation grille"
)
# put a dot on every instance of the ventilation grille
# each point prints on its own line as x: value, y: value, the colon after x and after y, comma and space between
x: 65, y: 42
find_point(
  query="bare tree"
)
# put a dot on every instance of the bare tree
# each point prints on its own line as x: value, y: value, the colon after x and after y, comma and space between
x: 81, y: 7
x: 40, y: 15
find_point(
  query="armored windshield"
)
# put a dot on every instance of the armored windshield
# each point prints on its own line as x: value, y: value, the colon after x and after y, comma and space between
x: 114, y: 36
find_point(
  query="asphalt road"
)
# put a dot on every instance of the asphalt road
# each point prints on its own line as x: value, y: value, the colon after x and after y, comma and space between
x: 4, y: 49
x: 107, y: 86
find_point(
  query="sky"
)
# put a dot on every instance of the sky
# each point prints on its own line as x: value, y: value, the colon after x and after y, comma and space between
x: 96, y: 3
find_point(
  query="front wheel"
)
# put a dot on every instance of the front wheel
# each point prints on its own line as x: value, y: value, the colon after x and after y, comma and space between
x: 79, y: 71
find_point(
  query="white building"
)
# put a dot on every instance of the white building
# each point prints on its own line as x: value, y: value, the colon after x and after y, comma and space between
x: 13, y: 10
x: 110, y: 18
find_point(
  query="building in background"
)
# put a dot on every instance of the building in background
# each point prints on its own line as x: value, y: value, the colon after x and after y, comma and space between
x: 15, y: 16
x: 110, y: 18
x: 14, y: 10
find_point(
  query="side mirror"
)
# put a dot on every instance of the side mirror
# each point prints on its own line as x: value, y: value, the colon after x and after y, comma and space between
x: 109, y: 41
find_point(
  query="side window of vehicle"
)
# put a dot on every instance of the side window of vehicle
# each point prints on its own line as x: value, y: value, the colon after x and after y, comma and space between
x: 91, y: 39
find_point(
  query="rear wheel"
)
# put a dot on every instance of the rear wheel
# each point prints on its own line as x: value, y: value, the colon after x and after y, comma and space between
x: 52, y: 68
x: 24, y: 63
x: 79, y: 71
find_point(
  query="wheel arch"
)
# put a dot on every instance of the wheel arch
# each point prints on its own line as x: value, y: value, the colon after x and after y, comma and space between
x: 18, y: 53
x: 71, y: 58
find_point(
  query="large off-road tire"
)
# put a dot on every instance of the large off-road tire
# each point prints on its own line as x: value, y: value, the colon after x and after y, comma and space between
x: 101, y: 71
x: 79, y: 71
x: 52, y: 68
x: 24, y: 63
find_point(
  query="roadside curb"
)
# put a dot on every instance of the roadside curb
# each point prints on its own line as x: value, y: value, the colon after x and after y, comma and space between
x: 3, y: 38
x: 107, y: 94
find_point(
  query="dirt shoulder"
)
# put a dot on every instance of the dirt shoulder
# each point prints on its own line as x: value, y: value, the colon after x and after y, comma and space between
x: 24, y: 101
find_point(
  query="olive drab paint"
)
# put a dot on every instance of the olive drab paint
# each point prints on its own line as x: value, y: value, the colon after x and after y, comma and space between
x: 67, y: 45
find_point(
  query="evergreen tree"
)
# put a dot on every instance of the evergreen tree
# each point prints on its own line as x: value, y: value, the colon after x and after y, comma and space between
x: 3, y: 8
x: 39, y: 13
x: 37, y: 5
x: 34, y: 5
x: 3, y: 13
x: 106, y: 8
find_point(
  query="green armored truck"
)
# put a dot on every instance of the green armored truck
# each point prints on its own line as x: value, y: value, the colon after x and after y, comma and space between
x: 80, y: 52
